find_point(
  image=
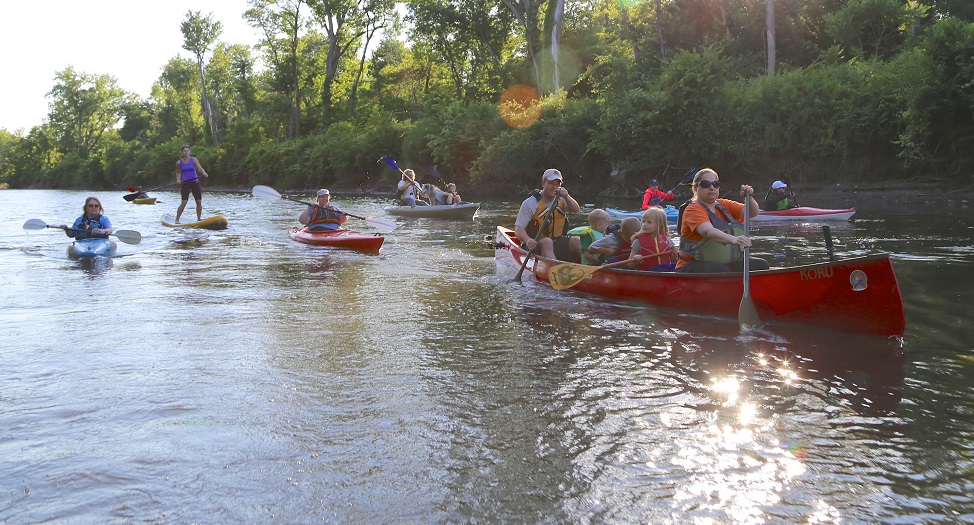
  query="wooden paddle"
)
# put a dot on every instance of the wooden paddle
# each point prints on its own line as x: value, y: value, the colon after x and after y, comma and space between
x: 126, y: 236
x: 562, y: 276
x: 132, y: 196
x: 747, y: 314
x: 266, y: 192
x: 392, y: 163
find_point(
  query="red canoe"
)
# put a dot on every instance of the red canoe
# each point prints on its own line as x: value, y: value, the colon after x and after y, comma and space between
x: 858, y: 295
x: 806, y: 213
x: 341, y: 238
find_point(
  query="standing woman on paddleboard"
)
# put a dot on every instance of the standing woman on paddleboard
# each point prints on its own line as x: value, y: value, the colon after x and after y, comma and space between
x: 91, y: 224
x: 187, y: 175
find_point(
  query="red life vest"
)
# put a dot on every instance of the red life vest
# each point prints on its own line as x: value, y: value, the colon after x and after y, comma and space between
x: 650, y: 245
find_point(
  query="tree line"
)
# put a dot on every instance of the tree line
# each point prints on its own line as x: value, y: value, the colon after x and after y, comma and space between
x: 489, y: 93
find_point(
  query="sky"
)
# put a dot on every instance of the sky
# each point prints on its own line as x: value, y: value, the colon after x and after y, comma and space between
x: 130, y: 40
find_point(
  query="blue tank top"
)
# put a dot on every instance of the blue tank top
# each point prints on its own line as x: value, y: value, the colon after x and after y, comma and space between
x: 188, y: 171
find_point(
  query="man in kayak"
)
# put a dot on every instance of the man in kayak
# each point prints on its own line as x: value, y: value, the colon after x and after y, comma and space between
x: 324, y: 216
x: 780, y: 197
x: 655, y: 196
x: 537, y: 229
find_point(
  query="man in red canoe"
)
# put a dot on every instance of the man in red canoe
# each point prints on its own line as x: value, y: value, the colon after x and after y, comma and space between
x: 549, y: 235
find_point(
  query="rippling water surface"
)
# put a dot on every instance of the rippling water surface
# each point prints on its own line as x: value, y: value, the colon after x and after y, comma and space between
x: 238, y: 377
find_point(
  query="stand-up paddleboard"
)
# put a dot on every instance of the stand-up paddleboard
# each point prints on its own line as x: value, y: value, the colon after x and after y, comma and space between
x: 216, y: 222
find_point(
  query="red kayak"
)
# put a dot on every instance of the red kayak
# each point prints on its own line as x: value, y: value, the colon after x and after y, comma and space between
x: 858, y: 295
x: 806, y: 213
x: 341, y: 238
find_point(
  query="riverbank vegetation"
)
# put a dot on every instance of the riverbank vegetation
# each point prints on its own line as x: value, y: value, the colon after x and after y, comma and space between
x: 489, y: 94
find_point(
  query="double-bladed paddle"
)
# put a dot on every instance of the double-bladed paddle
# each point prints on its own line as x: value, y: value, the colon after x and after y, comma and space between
x: 747, y: 315
x: 566, y: 275
x: 126, y: 236
x: 266, y: 192
x: 132, y: 196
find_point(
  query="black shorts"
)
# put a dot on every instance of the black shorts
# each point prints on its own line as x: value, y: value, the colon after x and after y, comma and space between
x: 194, y: 187
x: 562, y: 252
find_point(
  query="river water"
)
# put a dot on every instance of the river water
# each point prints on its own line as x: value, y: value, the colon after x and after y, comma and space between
x: 238, y: 377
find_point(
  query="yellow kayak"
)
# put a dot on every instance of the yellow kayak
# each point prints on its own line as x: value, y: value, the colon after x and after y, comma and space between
x: 145, y: 200
x: 216, y: 222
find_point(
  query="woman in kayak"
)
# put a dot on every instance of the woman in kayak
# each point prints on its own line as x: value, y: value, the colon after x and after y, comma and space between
x: 91, y: 224
x: 324, y: 216
x: 187, y: 175
x: 711, y: 234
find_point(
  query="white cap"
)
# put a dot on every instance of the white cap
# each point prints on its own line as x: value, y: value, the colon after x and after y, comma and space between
x: 551, y: 174
x: 778, y: 184
x: 323, y: 192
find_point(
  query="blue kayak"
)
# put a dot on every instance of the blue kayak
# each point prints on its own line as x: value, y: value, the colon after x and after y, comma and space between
x: 90, y: 248
x: 671, y: 213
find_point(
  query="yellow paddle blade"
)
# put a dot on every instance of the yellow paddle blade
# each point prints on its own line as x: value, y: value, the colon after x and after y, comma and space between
x: 562, y: 276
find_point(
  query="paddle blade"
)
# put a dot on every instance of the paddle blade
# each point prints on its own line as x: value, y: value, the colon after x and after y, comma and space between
x: 392, y: 163
x: 562, y: 276
x: 265, y: 192
x: 35, y: 224
x: 128, y: 236
x: 748, y: 316
x: 383, y: 225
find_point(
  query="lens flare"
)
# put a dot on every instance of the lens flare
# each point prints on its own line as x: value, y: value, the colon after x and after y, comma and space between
x: 520, y: 106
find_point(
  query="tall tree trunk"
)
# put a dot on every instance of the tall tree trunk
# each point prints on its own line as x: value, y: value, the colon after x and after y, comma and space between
x: 769, y: 30
x: 659, y: 29
x: 556, y: 40
x: 207, y: 107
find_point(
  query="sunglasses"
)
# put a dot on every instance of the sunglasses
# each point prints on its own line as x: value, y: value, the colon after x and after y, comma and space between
x: 708, y: 183
x: 92, y: 205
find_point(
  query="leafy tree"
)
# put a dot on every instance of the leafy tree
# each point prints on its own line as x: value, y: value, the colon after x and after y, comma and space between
x: 281, y: 23
x: 83, y: 109
x: 199, y: 34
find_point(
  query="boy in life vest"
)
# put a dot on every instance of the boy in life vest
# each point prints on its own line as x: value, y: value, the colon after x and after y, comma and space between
x: 598, y: 221
x: 653, y: 243
x: 655, y: 196
x: 616, y: 246
x: 324, y: 216
x: 539, y: 231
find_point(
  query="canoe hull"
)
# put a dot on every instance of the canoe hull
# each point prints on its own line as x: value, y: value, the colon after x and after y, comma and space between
x: 458, y: 211
x: 805, y: 213
x: 216, y: 222
x: 672, y: 213
x: 859, y: 295
x: 91, y: 248
x: 342, y: 238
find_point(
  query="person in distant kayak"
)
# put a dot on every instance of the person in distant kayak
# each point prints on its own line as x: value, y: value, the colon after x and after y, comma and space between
x: 711, y: 234
x: 324, y: 216
x: 409, y: 189
x: 552, y: 236
x: 92, y: 224
x: 780, y: 197
x: 655, y: 196
x: 188, y: 170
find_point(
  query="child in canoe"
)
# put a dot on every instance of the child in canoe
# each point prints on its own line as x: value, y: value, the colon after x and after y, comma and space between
x: 653, y: 243
x: 615, y: 246
x: 598, y: 221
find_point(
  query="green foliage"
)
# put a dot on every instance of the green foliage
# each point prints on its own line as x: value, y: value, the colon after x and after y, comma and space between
x: 864, y: 88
